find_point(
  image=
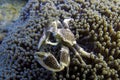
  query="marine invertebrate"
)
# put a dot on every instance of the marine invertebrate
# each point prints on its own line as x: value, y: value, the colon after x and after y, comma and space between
x: 65, y: 37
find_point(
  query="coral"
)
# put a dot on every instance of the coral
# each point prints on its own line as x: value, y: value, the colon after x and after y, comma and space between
x: 9, y: 11
x: 96, y: 27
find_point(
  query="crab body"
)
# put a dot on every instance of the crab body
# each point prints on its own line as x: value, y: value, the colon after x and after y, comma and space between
x: 64, y: 36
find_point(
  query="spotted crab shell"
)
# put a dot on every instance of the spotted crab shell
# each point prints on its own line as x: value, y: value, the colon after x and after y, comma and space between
x: 67, y: 36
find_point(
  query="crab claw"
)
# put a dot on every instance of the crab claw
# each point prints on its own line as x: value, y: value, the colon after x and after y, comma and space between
x: 48, y: 61
x: 66, y: 22
x: 54, y: 25
x: 65, y: 56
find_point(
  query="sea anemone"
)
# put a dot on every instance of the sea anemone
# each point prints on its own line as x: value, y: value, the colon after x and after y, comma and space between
x: 96, y: 27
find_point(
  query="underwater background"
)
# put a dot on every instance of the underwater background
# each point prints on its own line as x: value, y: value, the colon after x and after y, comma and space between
x: 96, y: 27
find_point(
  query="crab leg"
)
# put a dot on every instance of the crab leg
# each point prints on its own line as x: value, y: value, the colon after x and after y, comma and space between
x: 83, y: 52
x: 42, y: 39
x: 78, y: 56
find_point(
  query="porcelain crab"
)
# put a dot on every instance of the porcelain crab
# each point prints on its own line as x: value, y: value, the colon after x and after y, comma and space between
x: 65, y: 37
